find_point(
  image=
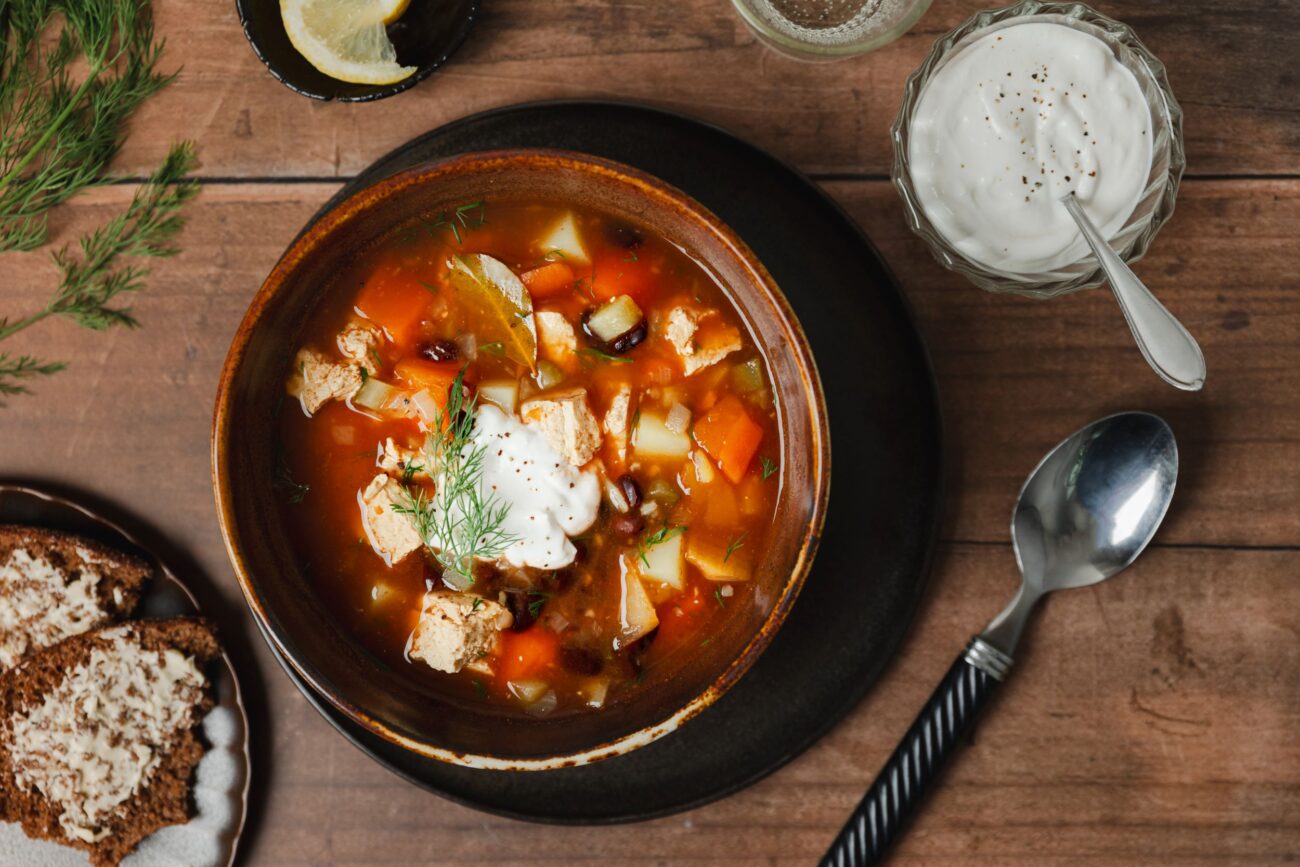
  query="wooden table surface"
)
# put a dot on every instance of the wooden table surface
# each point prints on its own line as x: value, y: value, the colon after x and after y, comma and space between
x: 1154, y: 720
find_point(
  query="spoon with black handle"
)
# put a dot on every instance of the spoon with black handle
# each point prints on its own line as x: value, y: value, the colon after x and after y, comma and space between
x: 1084, y: 514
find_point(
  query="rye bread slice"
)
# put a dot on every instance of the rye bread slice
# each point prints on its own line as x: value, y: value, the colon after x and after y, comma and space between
x: 54, y: 585
x: 163, y: 796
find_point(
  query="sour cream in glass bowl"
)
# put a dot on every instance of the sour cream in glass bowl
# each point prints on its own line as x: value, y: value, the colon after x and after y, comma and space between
x: 1013, y: 110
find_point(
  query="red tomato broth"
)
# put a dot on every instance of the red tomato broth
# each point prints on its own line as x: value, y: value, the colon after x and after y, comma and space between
x: 574, y: 639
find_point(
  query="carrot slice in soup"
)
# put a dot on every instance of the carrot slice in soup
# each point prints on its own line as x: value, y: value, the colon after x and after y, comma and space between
x: 680, y: 617
x: 527, y: 653
x: 436, y: 377
x: 395, y: 300
x: 616, y: 275
x: 729, y: 436
x: 549, y: 280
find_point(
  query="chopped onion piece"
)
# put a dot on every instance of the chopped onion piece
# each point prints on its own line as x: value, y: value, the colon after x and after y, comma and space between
x: 527, y: 388
x: 468, y: 346
x: 595, y: 691
x: 543, y: 705
x: 615, y: 497
x: 548, y: 375
x: 747, y: 377
x: 703, y: 467
x: 374, y: 394
x: 528, y: 691
x: 679, y: 418
x: 661, y: 491
x: 556, y: 621
x: 426, y: 406
x: 344, y: 434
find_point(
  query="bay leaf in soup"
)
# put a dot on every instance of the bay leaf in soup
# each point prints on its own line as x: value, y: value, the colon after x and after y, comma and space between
x: 502, y: 304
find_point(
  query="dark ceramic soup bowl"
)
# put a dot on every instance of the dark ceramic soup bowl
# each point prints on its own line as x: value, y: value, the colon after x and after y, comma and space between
x: 407, y: 710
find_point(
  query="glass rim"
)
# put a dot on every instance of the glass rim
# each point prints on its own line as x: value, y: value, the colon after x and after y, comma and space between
x: 1168, y: 159
x: 803, y: 51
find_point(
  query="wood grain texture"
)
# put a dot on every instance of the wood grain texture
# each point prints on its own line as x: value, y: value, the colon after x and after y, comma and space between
x: 1151, y: 720
x: 696, y: 57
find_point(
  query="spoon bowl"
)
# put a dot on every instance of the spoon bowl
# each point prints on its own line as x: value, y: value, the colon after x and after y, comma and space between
x: 1087, y: 511
x: 1092, y: 505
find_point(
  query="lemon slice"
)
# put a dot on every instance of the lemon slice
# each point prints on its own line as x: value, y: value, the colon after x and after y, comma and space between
x: 345, y: 39
x: 392, y: 9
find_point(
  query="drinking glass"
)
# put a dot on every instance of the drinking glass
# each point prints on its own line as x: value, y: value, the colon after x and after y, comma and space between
x: 829, y: 29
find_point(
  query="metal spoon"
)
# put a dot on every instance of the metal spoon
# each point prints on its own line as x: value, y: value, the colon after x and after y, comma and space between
x: 1086, y: 512
x: 1166, y: 345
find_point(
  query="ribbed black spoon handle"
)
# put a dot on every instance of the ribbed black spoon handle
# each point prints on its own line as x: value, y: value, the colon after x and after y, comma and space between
x: 912, y: 769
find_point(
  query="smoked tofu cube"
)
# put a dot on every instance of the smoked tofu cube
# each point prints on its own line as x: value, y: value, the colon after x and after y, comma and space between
x: 358, y: 340
x: 556, y: 337
x: 457, y: 630
x: 400, y: 461
x: 699, y: 348
x: 616, y: 420
x: 391, y: 532
x: 565, y: 419
x: 317, y: 380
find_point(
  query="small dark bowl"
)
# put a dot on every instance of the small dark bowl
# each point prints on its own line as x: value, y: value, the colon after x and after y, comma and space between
x: 426, y: 36
x: 408, y: 711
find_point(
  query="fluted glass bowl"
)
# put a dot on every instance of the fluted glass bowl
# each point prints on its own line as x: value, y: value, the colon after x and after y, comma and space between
x: 1167, y: 159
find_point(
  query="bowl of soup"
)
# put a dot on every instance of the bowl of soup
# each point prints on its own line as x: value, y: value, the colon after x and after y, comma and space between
x: 521, y: 458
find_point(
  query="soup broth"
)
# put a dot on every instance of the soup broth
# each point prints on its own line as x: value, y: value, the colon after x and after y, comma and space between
x: 533, y: 454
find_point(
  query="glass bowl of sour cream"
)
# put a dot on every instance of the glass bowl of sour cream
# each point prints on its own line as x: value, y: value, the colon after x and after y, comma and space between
x: 1017, y: 108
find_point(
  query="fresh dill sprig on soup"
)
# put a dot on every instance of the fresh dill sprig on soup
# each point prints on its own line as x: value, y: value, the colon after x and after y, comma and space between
x: 459, y: 523
x: 468, y: 216
x: 71, y: 75
x: 658, y: 537
x: 735, y: 545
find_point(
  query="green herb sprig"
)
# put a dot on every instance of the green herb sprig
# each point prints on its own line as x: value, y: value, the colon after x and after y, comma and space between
x: 735, y: 545
x: 593, y: 352
x: 459, y: 523
x: 468, y: 216
x: 294, y: 490
x: 539, y: 600
x: 71, y: 74
x: 658, y: 537
x: 91, y: 279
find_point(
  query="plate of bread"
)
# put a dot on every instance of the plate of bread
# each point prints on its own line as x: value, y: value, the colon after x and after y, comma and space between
x: 123, y: 737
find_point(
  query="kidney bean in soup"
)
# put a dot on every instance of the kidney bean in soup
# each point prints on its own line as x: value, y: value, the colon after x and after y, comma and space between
x: 533, y: 456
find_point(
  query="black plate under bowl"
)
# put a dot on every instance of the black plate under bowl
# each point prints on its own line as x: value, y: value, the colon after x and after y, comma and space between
x: 885, y: 492
x: 426, y: 36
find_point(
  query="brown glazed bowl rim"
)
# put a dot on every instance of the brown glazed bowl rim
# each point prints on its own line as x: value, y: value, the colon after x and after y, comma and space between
x: 656, y: 193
